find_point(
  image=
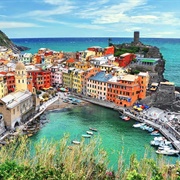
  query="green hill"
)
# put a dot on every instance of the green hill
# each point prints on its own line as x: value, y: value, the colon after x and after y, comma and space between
x: 6, y: 42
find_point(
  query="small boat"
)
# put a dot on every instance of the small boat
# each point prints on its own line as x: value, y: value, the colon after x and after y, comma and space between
x: 164, y: 147
x: 167, y: 151
x: 137, y: 125
x: 89, y: 132
x: 93, y: 129
x: 150, y: 129
x: 126, y: 118
x: 75, y: 142
x: 86, y: 135
x: 155, y: 133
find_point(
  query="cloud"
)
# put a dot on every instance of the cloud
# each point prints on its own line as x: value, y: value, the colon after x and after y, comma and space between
x: 6, y: 25
x: 160, y: 34
x: 58, y: 2
x: 88, y: 26
x: 110, y: 13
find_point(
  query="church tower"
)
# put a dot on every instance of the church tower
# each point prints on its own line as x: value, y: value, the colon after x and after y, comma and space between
x: 21, y: 77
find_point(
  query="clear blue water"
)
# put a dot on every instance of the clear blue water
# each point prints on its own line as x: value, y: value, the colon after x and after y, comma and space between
x: 170, y: 48
x: 117, y: 135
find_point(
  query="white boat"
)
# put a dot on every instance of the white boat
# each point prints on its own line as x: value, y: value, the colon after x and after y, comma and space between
x: 75, y: 142
x: 137, y: 125
x: 89, y: 132
x: 167, y: 152
x: 165, y: 147
x: 86, y: 135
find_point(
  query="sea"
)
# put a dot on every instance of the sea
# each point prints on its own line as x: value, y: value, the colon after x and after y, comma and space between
x: 118, y: 137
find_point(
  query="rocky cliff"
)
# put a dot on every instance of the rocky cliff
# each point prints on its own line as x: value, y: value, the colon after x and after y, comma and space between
x: 5, y: 41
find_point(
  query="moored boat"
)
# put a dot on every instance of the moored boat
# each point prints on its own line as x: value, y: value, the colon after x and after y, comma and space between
x: 93, y: 129
x: 86, y: 135
x: 137, y: 125
x: 167, y: 151
x: 125, y: 118
x: 155, y: 133
x: 75, y: 142
x: 89, y: 132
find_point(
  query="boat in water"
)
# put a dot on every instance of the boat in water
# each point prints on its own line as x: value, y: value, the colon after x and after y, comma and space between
x: 86, y: 135
x: 89, y: 132
x: 124, y: 117
x: 138, y: 125
x: 167, y: 151
x: 93, y: 129
x: 76, y: 142
x: 155, y: 133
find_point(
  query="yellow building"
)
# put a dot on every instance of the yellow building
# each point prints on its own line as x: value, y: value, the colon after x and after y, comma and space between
x: 3, y: 86
x: 20, y: 77
x: 82, y: 65
x: 68, y: 77
x: 78, y: 81
x: 86, y: 55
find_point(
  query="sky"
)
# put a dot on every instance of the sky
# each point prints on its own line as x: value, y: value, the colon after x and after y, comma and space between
x: 90, y: 18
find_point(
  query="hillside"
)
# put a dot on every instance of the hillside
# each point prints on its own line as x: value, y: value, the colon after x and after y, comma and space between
x: 5, y: 41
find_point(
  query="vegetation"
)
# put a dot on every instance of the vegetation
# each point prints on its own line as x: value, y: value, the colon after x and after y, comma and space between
x: 57, y: 160
x: 129, y: 49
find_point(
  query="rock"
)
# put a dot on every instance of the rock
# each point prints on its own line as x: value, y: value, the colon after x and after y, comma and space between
x: 6, y: 42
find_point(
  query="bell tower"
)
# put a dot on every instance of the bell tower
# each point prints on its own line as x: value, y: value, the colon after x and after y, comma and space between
x: 20, y: 77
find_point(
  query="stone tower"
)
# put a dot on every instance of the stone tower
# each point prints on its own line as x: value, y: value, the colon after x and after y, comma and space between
x: 136, y: 36
x: 21, y: 77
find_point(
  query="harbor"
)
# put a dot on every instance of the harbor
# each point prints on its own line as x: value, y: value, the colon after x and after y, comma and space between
x: 165, y: 128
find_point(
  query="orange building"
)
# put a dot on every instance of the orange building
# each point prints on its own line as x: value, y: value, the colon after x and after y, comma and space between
x: 37, y: 59
x: 30, y: 82
x: 109, y: 50
x: 126, y: 89
x: 125, y: 59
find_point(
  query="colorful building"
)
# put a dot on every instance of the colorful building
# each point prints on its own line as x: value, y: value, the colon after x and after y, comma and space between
x: 40, y: 78
x: 68, y: 77
x: 10, y: 79
x: 109, y: 50
x: 125, y: 59
x: 78, y: 81
x: 26, y: 58
x: 3, y: 86
x: 97, y: 85
x: 126, y: 89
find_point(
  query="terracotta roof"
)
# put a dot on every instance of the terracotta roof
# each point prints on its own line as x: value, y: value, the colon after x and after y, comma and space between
x: 71, y: 60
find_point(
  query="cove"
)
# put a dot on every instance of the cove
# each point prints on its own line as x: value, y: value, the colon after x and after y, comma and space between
x: 117, y: 136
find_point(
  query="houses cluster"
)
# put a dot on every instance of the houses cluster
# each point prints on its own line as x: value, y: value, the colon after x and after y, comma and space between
x: 95, y: 73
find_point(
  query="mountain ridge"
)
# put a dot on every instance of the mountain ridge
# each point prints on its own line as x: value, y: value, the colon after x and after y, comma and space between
x: 6, y: 42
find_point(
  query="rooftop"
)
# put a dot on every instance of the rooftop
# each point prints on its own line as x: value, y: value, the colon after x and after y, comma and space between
x: 15, y: 98
x: 101, y: 76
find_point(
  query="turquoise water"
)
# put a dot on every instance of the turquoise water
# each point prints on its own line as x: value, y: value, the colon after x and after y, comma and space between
x: 170, y: 48
x: 116, y: 135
